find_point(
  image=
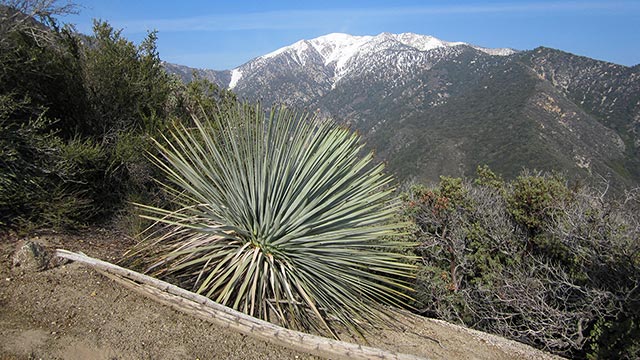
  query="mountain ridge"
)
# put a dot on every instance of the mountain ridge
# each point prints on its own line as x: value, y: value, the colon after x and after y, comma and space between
x: 430, y: 107
x: 336, y: 50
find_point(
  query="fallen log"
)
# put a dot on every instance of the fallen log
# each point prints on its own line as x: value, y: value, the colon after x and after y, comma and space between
x: 208, y: 310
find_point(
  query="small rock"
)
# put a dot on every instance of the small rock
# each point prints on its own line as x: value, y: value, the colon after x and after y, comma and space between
x: 58, y: 261
x: 30, y: 257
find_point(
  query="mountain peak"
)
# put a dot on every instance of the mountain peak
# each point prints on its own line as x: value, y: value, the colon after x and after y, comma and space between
x: 339, y: 47
x: 339, y: 52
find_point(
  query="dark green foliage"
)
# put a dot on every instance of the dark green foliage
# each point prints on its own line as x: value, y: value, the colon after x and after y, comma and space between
x: 128, y: 96
x: 42, y: 64
x: 125, y: 84
x: 45, y: 180
x: 201, y: 97
x: 486, y: 177
x: 533, y: 200
x: 40, y: 94
x: 76, y: 117
x: 533, y: 259
x: 21, y: 151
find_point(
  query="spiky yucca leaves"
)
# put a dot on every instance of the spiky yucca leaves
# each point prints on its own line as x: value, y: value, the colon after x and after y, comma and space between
x: 279, y: 217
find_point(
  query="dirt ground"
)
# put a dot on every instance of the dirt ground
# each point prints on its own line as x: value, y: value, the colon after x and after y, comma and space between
x: 72, y: 312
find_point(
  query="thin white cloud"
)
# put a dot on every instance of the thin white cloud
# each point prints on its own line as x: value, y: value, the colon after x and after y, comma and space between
x: 317, y: 19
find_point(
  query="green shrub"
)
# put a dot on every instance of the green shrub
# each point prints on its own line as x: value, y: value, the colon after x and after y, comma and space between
x: 533, y: 199
x: 76, y: 117
x: 127, y: 88
x: 45, y: 181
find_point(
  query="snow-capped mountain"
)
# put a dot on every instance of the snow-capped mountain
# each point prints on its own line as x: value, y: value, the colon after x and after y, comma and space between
x: 430, y: 107
x: 341, y: 54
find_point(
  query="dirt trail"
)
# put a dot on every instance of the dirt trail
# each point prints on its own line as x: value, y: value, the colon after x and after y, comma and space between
x: 71, y: 312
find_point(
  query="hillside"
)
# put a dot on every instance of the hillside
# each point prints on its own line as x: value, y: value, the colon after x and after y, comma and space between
x: 430, y: 107
x: 186, y: 74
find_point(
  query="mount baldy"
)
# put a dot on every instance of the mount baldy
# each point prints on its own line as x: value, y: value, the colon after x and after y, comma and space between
x: 430, y: 107
x: 323, y: 63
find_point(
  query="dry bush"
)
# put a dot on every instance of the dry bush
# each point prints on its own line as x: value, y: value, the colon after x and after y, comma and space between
x: 533, y: 260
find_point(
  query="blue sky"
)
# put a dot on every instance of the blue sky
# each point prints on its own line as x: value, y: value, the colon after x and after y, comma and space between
x: 225, y: 34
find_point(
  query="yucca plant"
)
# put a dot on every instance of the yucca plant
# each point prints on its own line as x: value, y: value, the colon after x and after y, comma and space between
x: 280, y: 216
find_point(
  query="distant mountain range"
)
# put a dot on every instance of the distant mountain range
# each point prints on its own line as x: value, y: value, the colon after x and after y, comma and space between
x: 430, y: 107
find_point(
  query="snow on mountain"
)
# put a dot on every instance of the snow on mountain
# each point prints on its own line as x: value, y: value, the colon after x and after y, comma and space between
x: 235, y: 77
x: 339, y: 48
x: 495, y: 52
x: 339, y: 51
x: 423, y: 42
